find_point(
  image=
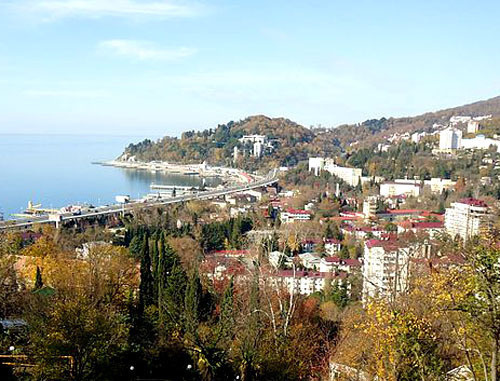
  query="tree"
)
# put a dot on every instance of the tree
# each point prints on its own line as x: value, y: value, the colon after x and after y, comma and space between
x: 146, y: 288
x: 38, y: 279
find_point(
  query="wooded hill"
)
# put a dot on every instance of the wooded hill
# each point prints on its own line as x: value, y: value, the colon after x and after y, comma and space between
x: 291, y: 141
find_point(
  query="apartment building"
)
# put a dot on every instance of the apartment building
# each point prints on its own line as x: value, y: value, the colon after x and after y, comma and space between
x: 466, y: 218
x: 385, y: 268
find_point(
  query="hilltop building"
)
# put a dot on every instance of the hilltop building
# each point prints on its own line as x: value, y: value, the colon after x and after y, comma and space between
x: 466, y: 218
x: 259, y: 143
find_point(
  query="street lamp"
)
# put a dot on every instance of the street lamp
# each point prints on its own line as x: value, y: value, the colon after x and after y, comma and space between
x: 11, y: 348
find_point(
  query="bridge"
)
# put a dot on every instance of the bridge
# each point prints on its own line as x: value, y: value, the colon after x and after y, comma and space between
x: 270, y: 179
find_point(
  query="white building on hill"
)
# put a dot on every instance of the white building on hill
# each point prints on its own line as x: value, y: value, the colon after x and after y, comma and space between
x: 480, y: 142
x: 450, y: 139
x: 400, y: 187
x: 351, y: 176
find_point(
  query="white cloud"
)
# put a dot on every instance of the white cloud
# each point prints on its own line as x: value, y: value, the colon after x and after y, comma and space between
x: 144, y: 50
x: 66, y: 93
x: 56, y: 9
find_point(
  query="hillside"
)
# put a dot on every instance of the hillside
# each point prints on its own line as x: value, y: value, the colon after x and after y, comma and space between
x: 288, y: 142
x: 374, y: 130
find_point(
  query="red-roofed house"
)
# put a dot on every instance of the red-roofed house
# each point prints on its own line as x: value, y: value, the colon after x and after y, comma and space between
x: 431, y: 228
x: 292, y: 215
x: 336, y: 264
x: 332, y: 246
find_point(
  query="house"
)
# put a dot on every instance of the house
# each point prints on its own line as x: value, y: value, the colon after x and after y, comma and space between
x: 336, y: 265
x: 332, y: 246
x: 432, y: 229
x: 310, y: 261
x: 292, y: 215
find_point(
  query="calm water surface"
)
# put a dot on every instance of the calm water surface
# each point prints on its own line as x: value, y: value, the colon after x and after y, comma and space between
x: 56, y: 170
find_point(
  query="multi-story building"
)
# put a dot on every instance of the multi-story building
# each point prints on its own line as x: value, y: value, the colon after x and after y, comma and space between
x: 370, y: 207
x: 385, y: 268
x: 400, y: 187
x: 480, y: 142
x: 253, y: 139
x: 439, y: 185
x: 351, y: 176
x: 450, y: 139
x: 466, y: 218
x: 305, y: 282
x: 316, y: 164
x: 472, y: 126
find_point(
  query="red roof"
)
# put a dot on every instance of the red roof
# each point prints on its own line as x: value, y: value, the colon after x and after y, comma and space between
x: 352, y: 262
x: 332, y: 240
x: 298, y: 211
x: 332, y: 259
x: 473, y: 202
x: 308, y: 274
x: 406, y: 211
x: 386, y: 244
x: 231, y: 252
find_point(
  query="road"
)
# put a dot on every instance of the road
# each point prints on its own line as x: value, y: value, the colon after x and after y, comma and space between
x: 270, y: 179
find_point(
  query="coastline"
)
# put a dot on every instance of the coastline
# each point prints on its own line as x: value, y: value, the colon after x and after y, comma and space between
x: 202, y: 170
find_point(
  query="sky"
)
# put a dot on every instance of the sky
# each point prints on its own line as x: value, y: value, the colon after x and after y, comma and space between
x: 160, y: 67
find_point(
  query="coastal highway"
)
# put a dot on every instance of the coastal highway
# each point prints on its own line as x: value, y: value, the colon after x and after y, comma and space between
x: 270, y: 179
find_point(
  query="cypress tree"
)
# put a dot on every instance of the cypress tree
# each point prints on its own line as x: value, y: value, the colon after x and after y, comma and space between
x: 146, y: 285
x: 192, y: 304
x: 38, y: 279
x: 226, y: 320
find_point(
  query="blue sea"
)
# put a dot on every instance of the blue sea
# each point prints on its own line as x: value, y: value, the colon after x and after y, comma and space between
x: 57, y: 170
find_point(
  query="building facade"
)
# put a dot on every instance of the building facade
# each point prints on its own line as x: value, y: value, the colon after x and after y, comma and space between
x: 466, y: 218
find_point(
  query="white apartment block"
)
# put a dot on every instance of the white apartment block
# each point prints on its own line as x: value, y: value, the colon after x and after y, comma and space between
x: 253, y: 139
x: 304, y: 282
x: 472, y: 126
x: 316, y: 164
x: 385, y: 269
x: 370, y: 207
x: 466, y: 218
x: 480, y: 142
x: 400, y: 187
x: 351, y: 176
x: 439, y: 185
x: 257, y: 149
x: 450, y: 139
